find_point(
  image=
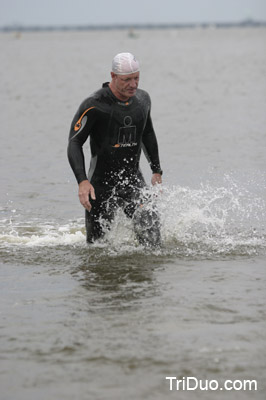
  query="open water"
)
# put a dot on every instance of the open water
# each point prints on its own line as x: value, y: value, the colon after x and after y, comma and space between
x: 113, y: 320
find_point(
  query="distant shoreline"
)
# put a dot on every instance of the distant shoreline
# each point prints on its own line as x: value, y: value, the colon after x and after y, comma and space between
x: 249, y: 23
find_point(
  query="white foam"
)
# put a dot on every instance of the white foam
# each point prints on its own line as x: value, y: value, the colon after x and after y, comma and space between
x: 205, y: 220
x: 46, y: 234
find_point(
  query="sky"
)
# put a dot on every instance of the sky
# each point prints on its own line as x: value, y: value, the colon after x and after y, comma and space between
x: 109, y: 12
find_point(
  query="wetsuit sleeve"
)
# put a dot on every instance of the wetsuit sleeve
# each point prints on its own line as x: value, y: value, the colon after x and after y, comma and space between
x: 80, y: 129
x: 150, y: 146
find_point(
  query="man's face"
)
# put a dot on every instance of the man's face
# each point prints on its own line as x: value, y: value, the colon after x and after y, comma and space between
x: 126, y: 85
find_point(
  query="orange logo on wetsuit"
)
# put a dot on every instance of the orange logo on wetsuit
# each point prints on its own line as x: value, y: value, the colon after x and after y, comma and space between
x: 78, y: 123
x: 127, y: 134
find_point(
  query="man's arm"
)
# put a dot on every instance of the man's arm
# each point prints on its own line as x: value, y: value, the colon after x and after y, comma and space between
x: 79, y: 132
x: 151, y: 151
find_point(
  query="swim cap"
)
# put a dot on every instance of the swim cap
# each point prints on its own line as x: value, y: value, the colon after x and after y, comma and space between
x: 124, y: 64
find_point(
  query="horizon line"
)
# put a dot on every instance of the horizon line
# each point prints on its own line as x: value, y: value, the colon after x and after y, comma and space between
x: 245, y: 23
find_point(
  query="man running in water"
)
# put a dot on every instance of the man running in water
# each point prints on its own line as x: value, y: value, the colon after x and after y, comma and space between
x: 117, y: 119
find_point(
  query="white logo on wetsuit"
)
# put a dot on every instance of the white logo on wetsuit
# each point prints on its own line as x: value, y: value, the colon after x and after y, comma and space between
x: 127, y: 134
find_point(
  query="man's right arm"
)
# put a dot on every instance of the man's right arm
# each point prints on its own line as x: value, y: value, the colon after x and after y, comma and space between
x: 79, y: 132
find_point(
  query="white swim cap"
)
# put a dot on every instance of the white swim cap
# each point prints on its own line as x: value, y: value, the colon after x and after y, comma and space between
x: 124, y: 64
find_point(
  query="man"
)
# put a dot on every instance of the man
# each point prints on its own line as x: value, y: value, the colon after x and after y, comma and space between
x: 117, y: 119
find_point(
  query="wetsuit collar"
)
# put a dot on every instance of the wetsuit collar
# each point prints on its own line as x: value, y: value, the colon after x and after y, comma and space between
x: 120, y: 102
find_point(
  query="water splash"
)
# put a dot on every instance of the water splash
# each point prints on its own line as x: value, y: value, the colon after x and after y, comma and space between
x: 209, y: 221
x: 213, y: 220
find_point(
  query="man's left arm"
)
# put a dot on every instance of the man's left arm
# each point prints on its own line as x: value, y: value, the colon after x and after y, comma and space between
x: 151, y: 151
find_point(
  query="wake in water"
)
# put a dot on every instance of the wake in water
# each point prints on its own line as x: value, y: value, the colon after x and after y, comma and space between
x: 208, y: 221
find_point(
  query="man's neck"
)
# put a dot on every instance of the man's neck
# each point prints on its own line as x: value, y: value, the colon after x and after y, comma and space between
x: 117, y: 94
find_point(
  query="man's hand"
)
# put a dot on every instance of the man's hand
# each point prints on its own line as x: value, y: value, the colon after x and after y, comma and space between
x: 86, y: 190
x: 156, y: 179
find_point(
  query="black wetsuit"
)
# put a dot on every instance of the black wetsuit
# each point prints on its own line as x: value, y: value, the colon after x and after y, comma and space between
x: 118, y: 131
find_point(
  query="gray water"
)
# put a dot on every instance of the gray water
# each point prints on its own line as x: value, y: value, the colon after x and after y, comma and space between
x: 113, y: 320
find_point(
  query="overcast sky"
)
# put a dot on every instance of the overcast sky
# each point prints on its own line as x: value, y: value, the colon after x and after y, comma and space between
x: 84, y: 12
